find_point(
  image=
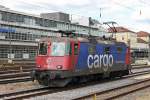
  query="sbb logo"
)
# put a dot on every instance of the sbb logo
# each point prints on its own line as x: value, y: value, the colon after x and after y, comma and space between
x: 97, y: 61
x: 49, y: 60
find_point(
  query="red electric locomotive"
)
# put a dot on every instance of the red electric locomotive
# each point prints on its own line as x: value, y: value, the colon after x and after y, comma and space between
x: 61, y: 60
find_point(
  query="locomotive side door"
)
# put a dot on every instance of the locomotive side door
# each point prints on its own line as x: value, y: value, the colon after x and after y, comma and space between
x: 74, y: 54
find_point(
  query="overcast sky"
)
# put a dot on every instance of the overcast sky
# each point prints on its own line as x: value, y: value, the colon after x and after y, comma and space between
x: 132, y: 14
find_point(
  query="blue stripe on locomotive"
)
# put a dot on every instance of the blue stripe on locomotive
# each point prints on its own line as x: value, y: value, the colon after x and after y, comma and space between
x: 83, y: 53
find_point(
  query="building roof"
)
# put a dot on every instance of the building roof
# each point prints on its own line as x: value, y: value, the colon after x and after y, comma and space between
x: 143, y: 34
x: 118, y: 30
x: 139, y: 40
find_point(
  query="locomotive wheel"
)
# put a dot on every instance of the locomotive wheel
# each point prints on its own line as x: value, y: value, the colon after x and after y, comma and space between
x: 44, y: 81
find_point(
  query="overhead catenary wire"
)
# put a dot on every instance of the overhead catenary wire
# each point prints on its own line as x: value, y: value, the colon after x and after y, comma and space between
x: 144, y: 2
x: 124, y: 6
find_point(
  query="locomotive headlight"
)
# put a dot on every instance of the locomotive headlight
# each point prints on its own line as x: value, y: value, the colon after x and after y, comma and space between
x: 59, y: 67
x: 38, y: 66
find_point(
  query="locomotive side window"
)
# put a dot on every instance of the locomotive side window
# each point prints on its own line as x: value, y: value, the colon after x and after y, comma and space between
x: 119, y: 49
x: 76, y: 49
x: 43, y: 49
x: 70, y: 52
x: 107, y: 50
x: 92, y: 49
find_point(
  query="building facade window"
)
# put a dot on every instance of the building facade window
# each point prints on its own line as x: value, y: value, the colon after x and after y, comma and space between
x: 11, y: 17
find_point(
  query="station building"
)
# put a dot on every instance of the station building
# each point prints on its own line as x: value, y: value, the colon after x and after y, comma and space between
x: 143, y: 38
x: 20, y: 32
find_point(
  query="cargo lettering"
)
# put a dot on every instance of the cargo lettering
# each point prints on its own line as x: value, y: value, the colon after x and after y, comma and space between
x: 96, y: 61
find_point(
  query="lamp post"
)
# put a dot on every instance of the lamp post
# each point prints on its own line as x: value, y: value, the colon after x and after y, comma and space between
x: 90, y: 23
x: 9, y: 35
x: 10, y: 47
x: 149, y: 50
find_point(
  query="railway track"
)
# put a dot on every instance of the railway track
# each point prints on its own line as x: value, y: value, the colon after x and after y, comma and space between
x: 15, y: 80
x: 15, y: 77
x: 130, y: 89
x: 14, y: 71
x: 19, y: 68
x: 140, y: 67
x: 47, y: 90
x: 28, y: 93
x: 21, y: 77
x: 117, y: 92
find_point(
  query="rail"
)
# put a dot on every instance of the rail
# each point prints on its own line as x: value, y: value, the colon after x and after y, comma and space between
x: 117, y: 91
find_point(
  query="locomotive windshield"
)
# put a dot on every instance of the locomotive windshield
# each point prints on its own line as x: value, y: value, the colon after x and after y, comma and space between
x: 58, y: 49
x: 43, y: 49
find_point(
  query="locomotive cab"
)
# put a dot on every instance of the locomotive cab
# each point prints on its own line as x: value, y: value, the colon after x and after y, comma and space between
x: 57, y: 55
x: 55, y: 59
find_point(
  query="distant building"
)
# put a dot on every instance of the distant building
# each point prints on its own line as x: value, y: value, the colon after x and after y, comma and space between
x: 144, y: 36
x: 143, y: 39
x: 124, y: 35
x: 138, y: 42
x: 81, y: 20
x: 3, y: 7
x: 59, y: 16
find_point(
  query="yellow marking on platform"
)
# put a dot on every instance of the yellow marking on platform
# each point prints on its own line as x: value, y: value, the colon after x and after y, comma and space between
x: 143, y: 77
x: 94, y: 97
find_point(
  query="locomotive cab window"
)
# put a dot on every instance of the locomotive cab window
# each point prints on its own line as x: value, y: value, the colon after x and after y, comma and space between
x: 107, y: 50
x: 68, y: 48
x: 42, y: 48
x: 76, y: 49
